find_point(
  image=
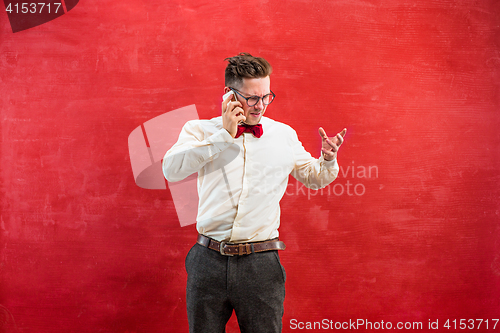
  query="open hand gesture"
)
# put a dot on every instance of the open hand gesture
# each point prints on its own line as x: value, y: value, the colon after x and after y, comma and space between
x: 330, y: 146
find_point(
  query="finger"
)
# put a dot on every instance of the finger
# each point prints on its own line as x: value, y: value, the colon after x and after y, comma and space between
x: 340, y: 139
x: 231, y: 106
x: 237, y: 111
x: 332, y: 144
x: 227, y: 100
x: 226, y: 107
x: 322, y: 133
x: 328, y: 153
x: 225, y: 103
x: 343, y: 132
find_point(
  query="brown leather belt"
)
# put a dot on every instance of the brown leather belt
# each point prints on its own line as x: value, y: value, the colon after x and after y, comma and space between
x: 239, y: 249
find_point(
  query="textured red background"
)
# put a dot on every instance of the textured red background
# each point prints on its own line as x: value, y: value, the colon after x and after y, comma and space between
x: 83, y: 249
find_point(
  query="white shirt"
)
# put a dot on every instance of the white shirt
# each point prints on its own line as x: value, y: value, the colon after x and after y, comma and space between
x: 241, y: 181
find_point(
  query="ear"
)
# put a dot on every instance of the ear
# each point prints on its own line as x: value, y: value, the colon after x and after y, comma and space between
x: 226, y: 90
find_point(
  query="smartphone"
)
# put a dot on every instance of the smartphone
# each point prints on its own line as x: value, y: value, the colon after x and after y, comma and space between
x: 226, y: 95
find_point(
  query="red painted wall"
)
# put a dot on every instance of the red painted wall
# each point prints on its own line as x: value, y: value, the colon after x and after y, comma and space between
x: 412, y: 235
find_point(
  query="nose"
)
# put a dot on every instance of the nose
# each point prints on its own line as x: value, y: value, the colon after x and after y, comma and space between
x: 259, y: 105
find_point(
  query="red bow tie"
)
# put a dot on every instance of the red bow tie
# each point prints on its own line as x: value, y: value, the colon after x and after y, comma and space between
x: 256, y: 130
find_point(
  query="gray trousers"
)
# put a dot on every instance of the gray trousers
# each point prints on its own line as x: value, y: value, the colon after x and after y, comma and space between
x: 252, y: 285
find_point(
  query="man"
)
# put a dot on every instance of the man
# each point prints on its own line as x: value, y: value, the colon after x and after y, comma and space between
x: 243, y: 160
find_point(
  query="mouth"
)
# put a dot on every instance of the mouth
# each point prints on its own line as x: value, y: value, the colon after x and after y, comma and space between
x: 255, y: 114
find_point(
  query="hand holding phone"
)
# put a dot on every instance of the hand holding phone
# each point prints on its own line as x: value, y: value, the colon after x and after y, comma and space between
x: 232, y: 114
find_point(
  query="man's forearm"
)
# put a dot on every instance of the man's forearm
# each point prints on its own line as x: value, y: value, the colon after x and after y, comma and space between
x: 189, y: 155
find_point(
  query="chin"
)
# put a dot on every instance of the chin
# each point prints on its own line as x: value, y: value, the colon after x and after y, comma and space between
x: 251, y: 120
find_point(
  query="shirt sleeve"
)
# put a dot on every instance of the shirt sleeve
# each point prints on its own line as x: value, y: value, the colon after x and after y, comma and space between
x: 193, y: 150
x: 314, y: 173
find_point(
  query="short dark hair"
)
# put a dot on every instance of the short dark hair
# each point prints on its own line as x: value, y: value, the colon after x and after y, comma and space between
x: 244, y: 65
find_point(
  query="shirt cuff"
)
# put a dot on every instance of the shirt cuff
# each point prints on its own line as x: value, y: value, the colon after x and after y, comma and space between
x: 328, y: 164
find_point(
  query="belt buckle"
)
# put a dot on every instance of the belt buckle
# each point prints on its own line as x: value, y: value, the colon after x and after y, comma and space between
x: 221, y: 250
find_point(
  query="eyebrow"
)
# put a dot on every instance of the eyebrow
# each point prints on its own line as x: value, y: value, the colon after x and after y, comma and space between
x: 241, y: 92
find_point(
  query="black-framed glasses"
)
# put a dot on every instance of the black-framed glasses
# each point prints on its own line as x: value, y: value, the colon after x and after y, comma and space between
x: 253, y: 100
